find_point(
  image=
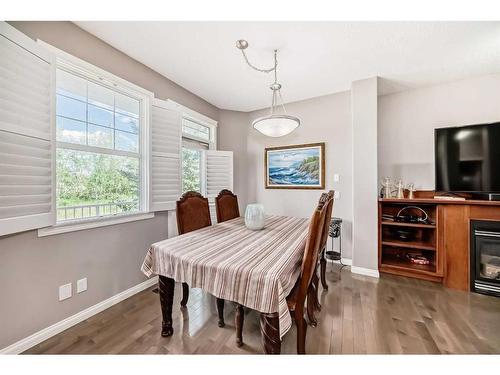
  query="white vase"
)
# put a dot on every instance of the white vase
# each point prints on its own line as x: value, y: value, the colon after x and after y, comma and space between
x: 254, y: 216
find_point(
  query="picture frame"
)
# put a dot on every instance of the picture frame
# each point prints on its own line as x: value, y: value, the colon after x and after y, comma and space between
x: 295, y: 166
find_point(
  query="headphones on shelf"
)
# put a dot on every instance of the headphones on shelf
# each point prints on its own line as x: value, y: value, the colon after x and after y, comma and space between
x: 424, y: 218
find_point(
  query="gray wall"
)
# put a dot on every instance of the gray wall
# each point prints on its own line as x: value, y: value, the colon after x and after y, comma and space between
x: 324, y: 119
x: 407, y: 121
x: 32, y: 268
x: 233, y: 129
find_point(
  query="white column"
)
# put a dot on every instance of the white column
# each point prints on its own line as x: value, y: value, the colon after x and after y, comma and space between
x: 364, y: 177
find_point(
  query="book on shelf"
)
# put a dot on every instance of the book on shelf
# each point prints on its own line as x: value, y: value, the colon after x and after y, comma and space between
x: 449, y: 198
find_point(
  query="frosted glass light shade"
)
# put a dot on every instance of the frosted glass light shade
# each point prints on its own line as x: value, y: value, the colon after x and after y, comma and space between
x: 254, y: 216
x: 276, y: 125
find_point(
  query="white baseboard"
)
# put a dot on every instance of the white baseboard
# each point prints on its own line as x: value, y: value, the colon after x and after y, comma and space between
x: 365, y: 271
x: 345, y: 261
x: 356, y: 270
x: 44, y: 334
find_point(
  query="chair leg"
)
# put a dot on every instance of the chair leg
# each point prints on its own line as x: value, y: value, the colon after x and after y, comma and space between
x: 301, y: 330
x: 322, y: 263
x: 315, y: 285
x: 220, y: 311
x: 239, y: 318
x: 185, y: 294
x: 312, y: 295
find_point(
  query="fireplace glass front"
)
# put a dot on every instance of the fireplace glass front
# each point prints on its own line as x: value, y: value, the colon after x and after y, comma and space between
x: 485, y: 257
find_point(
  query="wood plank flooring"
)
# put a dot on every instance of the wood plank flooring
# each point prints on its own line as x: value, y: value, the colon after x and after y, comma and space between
x: 360, y: 315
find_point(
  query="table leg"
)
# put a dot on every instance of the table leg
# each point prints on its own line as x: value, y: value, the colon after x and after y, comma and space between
x: 220, y: 311
x: 185, y: 294
x: 270, y: 330
x: 166, y: 287
x: 239, y: 316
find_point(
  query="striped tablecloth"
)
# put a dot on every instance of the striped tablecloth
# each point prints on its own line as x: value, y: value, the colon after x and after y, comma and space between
x: 256, y: 269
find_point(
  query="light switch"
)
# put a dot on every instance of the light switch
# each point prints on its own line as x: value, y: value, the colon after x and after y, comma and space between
x: 81, y: 285
x: 336, y: 177
x: 64, y: 291
x: 336, y: 195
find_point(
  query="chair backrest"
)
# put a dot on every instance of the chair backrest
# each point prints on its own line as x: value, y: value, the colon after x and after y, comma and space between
x: 226, y: 206
x: 327, y: 198
x: 192, y: 212
x: 312, y: 248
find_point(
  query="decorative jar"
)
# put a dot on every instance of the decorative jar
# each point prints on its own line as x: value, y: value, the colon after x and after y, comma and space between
x: 254, y: 216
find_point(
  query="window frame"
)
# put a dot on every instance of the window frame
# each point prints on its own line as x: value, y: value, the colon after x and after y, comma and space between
x: 85, y: 70
x: 189, y: 114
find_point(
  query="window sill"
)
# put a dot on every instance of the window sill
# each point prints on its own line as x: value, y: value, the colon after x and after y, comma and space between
x: 89, y: 224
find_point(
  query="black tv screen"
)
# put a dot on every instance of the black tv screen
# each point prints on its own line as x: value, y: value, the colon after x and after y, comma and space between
x: 467, y: 158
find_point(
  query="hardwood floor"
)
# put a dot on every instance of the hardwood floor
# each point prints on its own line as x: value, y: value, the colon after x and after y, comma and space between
x: 360, y: 315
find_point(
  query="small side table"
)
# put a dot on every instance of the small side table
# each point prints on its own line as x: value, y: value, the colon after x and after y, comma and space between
x: 335, y: 231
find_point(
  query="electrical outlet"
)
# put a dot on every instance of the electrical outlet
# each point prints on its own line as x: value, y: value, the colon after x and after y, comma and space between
x: 336, y: 177
x: 81, y: 285
x: 336, y: 195
x: 64, y: 291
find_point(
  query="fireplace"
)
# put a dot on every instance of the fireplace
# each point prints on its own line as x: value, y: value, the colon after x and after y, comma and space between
x: 485, y: 257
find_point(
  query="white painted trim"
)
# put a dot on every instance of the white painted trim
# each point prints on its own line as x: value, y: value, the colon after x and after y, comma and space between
x: 188, y: 112
x: 365, y: 271
x: 46, y: 333
x: 93, y: 223
x: 25, y: 41
x: 97, y: 150
x: 88, y: 70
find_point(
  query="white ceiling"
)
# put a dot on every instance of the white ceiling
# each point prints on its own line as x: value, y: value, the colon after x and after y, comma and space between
x: 315, y: 58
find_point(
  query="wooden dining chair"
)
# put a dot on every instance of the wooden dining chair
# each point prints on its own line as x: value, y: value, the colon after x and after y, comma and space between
x: 297, y: 297
x: 226, y: 206
x: 324, y: 239
x: 313, y: 298
x: 192, y: 213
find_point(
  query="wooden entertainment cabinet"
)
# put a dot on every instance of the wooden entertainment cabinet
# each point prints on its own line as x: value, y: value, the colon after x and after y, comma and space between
x: 445, y: 241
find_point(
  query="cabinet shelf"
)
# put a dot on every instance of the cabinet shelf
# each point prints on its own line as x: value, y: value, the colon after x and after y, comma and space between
x: 409, y: 244
x: 422, y: 240
x: 402, y: 265
x: 409, y: 225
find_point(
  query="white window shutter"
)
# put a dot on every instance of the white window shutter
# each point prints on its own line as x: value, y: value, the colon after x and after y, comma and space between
x: 218, y: 176
x: 27, y: 131
x: 166, y: 138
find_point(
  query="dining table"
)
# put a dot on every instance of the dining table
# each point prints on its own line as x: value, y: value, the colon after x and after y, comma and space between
x: 256, y: 269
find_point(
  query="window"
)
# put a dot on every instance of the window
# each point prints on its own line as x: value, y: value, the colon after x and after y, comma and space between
x: 99, y: 158
x: 192, y: 165
x: 195, y: 130
x: 198, y: 134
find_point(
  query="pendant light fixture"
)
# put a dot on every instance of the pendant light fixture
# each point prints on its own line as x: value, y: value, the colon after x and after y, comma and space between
x: 278, y: 123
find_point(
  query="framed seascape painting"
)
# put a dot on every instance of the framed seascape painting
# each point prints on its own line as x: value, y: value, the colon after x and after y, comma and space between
x: 295, y: 167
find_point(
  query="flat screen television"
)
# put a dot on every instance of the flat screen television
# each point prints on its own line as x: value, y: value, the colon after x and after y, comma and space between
x: 467, y: 159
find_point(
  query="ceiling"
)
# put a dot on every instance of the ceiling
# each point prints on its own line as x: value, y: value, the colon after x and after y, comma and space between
x: 314, y: 58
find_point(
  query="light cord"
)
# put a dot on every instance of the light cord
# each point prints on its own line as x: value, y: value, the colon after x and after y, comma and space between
x: 258, y: 69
